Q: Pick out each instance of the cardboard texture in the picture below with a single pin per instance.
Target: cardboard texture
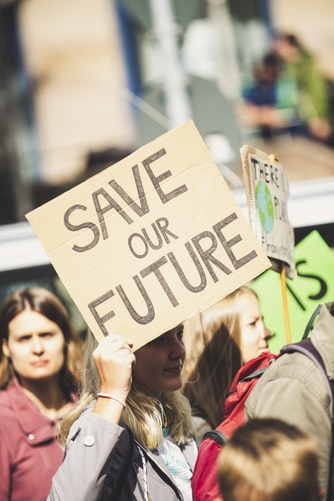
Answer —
(151, 240)
(267, 193)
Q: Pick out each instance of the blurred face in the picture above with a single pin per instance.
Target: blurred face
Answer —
(254, 334)
(159, 363)
(35, 345)
(286, 51)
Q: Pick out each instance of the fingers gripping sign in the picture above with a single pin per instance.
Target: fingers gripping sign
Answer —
(114, 361)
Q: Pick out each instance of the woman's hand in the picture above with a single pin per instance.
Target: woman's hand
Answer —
(114, 360)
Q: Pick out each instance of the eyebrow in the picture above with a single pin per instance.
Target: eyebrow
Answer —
(31, 333)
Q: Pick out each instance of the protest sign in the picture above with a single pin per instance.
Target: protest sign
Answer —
(267, 193)
(151, 240)
(313, 284)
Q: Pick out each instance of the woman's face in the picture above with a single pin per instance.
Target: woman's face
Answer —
(159, 363)
(254, 334)
(35, 345)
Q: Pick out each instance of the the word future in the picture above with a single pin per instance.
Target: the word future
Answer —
(203, 250)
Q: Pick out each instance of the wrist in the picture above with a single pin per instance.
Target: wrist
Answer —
(111, 396)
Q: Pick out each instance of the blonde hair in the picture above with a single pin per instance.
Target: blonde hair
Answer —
(145, 415)
(212, 341)
(268, 459)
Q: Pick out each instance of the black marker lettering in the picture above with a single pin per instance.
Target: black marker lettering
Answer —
(93, 309)
(206, 255)
(142, 209)
(156, 180)
(76, 227)
(228, 244)
(155, 269)
(180, 272)
(140, 319)
(111, 204)
(141, 244)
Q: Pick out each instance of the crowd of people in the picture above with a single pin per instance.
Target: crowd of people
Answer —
(86, 420)
(289, 92)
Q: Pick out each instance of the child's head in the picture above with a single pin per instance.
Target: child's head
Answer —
(269, 460)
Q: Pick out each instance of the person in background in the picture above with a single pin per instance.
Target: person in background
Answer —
(269, 460)
(269, 100)
(131, 436)
(40, 369)
(300, 66)
(295, 389)
(218, 342)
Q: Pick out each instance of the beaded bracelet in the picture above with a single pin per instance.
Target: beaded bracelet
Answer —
(107, 395)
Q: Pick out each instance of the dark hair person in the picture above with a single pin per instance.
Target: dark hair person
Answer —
(268, 459)
(40, 367)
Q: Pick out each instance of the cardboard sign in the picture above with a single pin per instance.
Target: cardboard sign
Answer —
(314, 284)
(151, 240)
(267, 196)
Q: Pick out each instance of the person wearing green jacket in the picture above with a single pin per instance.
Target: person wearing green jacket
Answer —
(301, 67)
(294, 389)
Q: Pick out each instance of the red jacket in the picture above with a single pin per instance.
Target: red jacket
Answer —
(29, 452)
(204, 480)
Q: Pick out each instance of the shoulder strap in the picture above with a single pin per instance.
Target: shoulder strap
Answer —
(217, 436)
(256, 374)
(109, 489)
(306, 347)
(311, 321)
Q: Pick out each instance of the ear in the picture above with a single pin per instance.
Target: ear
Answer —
(5, 348)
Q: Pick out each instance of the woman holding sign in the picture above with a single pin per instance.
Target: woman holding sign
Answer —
(133, 439)
(40, 364)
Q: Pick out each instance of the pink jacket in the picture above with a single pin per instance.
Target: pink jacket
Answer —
(29, 452)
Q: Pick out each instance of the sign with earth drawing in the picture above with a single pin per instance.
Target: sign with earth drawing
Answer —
(267, 193)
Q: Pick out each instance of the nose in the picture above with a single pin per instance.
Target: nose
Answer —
(267, 332)
(178, 349)
(37, 345)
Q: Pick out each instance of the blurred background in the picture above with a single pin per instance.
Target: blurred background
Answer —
(84, 83)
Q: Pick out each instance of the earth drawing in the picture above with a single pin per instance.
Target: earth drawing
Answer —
(265, 206)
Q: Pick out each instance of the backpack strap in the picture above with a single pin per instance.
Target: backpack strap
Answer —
(306, 347)
(256, 374)
(217, 436)
(311, 321)
(109, 489)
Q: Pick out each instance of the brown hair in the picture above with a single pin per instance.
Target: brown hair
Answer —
(269, 460)
(48, 304)
(212, 341)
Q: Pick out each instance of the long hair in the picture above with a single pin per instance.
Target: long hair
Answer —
(268, 459)
(49, 305)
(212, 340)
(145, 414)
